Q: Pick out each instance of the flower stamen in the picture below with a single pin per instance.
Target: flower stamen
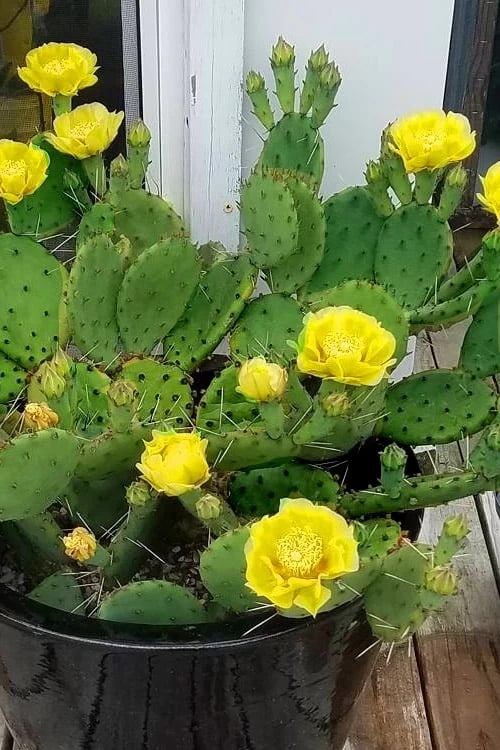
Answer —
(338, 343)
(299, 551)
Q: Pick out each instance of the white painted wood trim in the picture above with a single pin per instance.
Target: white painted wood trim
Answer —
(215, 30)
(148, 31)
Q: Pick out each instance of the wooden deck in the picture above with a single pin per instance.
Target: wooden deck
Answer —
(442, 692)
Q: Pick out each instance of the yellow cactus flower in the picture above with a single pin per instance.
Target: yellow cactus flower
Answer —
(86, 131)
(259, 380)
(59, 69)
(23, 169)
(432, 140)
(80, 544)
(345, 345)
(39, 417)
(490, 197)
(290, 554)
(175, 463)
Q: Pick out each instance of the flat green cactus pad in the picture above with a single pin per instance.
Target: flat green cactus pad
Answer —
(259, 491)
(413, 252)
(438, 406)
(60, 591)
(352, 228)
(94, 283)
(50, 209)
(155, 292)
(294, 144)
(152, 603)
(126, 552)
(372, 300)
(265, 327)
(223, 407)
(32, 283)
(480, 349)
(213, 309)
(12, 379)
(99, 220)
(164, 391)
(270, 218)
(89, 405)
(223, 571)
(97, 504)
(111, 453)
(145, 219)
(34, 470)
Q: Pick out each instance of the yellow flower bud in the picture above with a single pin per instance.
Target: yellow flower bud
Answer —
(255, 82)
(39, 417)
(138, 493)
(59, 69)
(318, 59)
(457, 526)
(336, 404)
(175, 463)
(61, 364)
(291, 553)
(259, 380)
(208, 507)
(122, 392)
(80, 544)
(86, 131)
(345, 345)
(441, 580)
(432, 140)
(51, 381)
(139, 134)
(490, 197)
(283, 54)
(23, 169)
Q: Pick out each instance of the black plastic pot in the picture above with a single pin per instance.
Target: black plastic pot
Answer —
(69, 683)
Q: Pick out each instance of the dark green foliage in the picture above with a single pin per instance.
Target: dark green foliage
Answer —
(12, 379)
(481, 346)
(454, 310)
(413, 253)
(60, 591)
(352, 228)
(126, 552)
(97, 504)
(265, 327)
(152, 603)
(438, 406)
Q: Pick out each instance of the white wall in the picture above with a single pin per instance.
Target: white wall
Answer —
(392, 55)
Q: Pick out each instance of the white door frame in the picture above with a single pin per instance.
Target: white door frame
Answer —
(192, 72)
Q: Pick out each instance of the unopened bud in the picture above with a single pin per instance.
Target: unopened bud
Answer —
(493, 437)
(457, 177)
(39, 417)
(375, 174)
(283, 54)
(457, 526)
(330, 77)
(71, 180)
(208, 507)
(51, 382)
(138, 493)
(255, 82)
(441, 580)
(119, 167)
(318, 59)
(336, 404)
(139, 134)
(393, 457)
(61, 364)
(122, 392)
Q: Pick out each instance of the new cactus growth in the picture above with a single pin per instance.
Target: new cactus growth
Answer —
(119, 424)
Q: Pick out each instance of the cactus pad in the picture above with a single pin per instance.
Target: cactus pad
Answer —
(372, 300)
(270, 218)
(61, 592)
(265, 327)
(164, 391)
(99, 504)
(223, 571)
(223, 407)
(438, 406)
(145, 219)
(155, 291)
(259, 491)
(35, 469)
(413, 254)
(480, 349)
(152, 603)
(213, 309)
(293, 143)
(352, 228)
(94, 283)
(99, 220)
(89, 405)
(32, 283)
(125, 550)
(111, 454)
(12, 379)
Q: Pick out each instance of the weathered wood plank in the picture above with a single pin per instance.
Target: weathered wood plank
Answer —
(391, 710)
(458, 651)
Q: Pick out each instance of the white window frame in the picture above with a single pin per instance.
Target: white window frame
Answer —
(192, 72)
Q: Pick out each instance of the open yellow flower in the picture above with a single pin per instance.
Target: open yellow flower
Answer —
(259, 380)
(345, 345)
(490, 198)
(86, 131)
(23, 169)
(175, 463)
(80, 544)
(432, 140)
(290, 554)
(39, 416)
(59, 69)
